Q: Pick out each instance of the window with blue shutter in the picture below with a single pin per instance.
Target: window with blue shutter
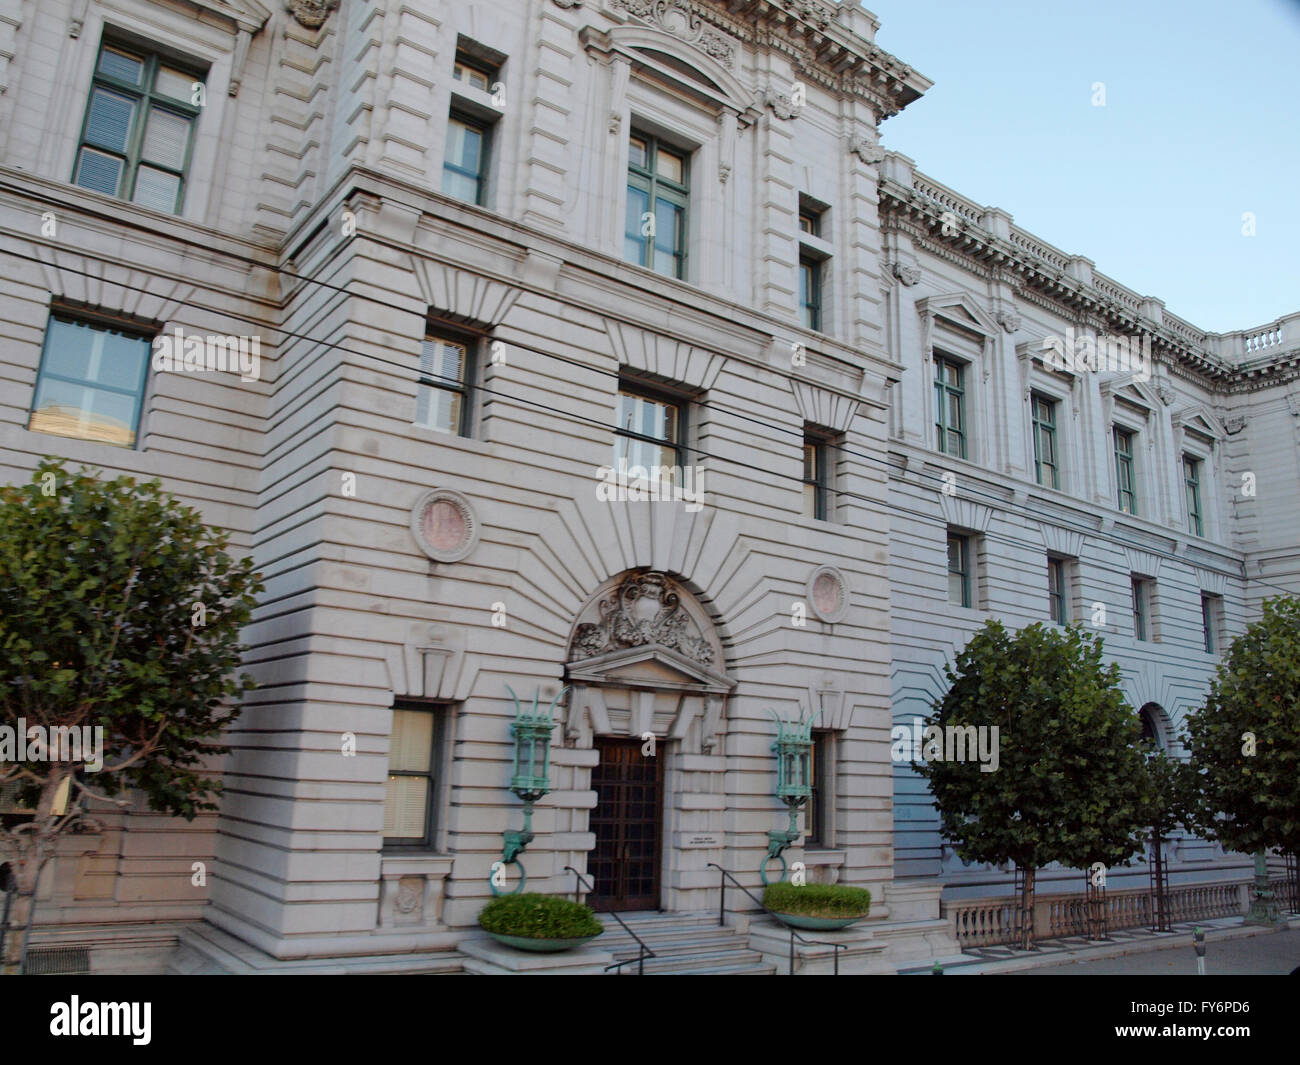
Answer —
(139, 130)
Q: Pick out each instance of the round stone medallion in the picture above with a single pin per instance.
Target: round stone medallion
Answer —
(828, 594)
(444, 525)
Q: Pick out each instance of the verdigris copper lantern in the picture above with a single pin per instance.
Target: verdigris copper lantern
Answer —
(793, 748)
(530, 779)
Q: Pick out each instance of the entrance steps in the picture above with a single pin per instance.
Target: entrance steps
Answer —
(205, 950)
(685, 944)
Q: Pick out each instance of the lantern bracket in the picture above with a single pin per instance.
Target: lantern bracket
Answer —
(530, 778)
(793, 749)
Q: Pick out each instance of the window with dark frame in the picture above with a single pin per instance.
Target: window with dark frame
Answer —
(445, 389)
(91, 380)
(813, 265)
(651, 427)
(1058, 590)
(138, 133)
(816, 475)
(1125, 479)
(1192, 487)
(959, 570)
(472, 72)
(1046, 470)
(658, 194)
(950, 406)
(1211, 605)
(810, 292)
(464, 167)
(818, 824)
(1141, 609)
(413, 763)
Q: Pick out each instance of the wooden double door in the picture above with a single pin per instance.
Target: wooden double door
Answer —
(628, 824)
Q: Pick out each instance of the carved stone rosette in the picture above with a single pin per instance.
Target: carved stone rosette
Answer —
(908, 275)
(312, 13)
(866, 150)
(644, 609)
(781, 103)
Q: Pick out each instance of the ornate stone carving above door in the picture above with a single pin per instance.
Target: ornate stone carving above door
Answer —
(644, 657)
(645, 609)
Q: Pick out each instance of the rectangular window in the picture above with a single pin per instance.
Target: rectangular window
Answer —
(650, 430)
(1192, 485)
(810, 292)
(475, 75)
(817, 831)
(816, 475)
(810, 222)
(959, 570)
(139, 128)
(446, 376)
(1141, 608)
(1046, 471)
(657, 196)
(412, 776)
(1125, 479)
(464, 167)
(1211, 612)
(91, 381)
(950, 406)
(1058, 590)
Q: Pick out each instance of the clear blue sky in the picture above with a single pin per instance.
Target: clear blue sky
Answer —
(1201, 124)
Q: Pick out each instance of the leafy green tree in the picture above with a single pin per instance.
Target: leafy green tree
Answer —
(1069, 784)
(122, 613)
(1245, 740)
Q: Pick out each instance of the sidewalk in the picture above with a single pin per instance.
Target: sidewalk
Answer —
(1232, 948)
(1256, 955)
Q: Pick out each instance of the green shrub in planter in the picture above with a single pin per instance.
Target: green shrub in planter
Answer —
(818, 900)
(533, 916)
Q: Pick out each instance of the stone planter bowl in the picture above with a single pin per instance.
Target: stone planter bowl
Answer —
(817, 924)
(540, 946)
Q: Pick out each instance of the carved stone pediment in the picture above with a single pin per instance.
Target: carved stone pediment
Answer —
(650, 666)
(645, 656)
(679, 18)
(644, 609)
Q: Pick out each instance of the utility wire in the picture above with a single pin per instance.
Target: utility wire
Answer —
(993, 499)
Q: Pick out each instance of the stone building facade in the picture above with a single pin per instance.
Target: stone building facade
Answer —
(1020, 513)
(488, 257)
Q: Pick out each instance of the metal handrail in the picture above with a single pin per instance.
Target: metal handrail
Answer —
(643, 950)
(722, 920)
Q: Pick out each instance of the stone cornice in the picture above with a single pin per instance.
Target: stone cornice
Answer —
(815, 36)
(950, 232)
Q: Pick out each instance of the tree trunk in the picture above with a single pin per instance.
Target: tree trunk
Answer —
(1161, 921)
(26, 874)
(1026, 929)
(29, 853)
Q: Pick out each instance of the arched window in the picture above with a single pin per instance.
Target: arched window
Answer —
(1149, 716)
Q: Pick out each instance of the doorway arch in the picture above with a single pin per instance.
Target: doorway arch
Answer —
(649, 689)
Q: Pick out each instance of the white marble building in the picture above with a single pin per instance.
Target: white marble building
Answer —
(484, 251)
(1150, 496)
